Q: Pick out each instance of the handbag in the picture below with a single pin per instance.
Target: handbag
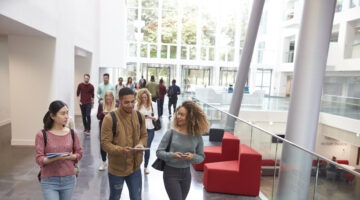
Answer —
(159, 163)
(156, 123)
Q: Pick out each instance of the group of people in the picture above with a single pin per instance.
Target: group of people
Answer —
(126, 135)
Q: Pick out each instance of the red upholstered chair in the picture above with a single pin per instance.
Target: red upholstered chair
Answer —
(229, 150)
(241, 176)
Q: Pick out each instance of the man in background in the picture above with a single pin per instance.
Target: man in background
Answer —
(153, 89)
(173, 92)
(104, 86)
(85, 91)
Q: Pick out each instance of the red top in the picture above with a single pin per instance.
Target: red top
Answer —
(55, 144)
(162, 91)
(86, 92)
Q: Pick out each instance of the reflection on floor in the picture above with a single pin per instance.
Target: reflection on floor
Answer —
(18, 171)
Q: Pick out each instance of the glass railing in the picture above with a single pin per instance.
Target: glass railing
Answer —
(341, 181)
(336, 105)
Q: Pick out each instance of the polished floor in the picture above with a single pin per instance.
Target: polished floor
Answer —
(18, 171)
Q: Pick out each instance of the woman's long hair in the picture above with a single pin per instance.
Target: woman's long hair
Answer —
(54, 107)
(197, 123)
(109, 93)
(147, 104)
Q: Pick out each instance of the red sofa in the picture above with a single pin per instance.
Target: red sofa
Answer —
(241, 176)
(345, 162)
(229, 150)
(268, 167)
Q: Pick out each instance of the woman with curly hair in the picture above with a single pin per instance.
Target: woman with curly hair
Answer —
(186, 147)
(149, 110)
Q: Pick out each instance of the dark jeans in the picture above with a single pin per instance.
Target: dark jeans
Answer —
(177, 182)
(150, 133)
(160, 105)
(172, 102)
(85, 113)
(133, 182)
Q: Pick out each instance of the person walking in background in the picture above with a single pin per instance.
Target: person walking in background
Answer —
(142, 82)
(173, 92)
(162, 92)
(186, 147)
(136, 89)
(125, 147)
(149, 109)
(85, 91)
(130, 83)
(118, 87)
(57, 173)
(104, 108)
(153, 89)
(104, 86)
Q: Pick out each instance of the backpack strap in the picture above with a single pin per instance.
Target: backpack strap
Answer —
(112, 113)
(139, 117)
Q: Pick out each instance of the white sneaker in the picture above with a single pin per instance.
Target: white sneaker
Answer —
(102, 166)
(146, 171)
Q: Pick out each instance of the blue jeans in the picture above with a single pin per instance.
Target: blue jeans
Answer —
(133, 182)
(151, 134)
(85, 113)
(58, 187)
(160, 105)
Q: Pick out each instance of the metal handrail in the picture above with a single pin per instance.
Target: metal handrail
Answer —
(282, 139)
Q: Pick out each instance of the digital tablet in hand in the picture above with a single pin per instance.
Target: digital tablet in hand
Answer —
(141, 149)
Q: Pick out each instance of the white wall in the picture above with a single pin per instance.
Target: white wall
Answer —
(112, 33)
(31, 71)
(42, 67)
(4, 82)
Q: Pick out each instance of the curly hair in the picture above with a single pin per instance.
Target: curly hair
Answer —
(196, 119)
(139, 100)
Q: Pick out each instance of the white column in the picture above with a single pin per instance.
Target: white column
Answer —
(245, 60)
(310, 65)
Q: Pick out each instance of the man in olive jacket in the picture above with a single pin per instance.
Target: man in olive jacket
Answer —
(125, 147)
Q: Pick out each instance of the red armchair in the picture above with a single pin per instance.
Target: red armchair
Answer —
(229, 150)
(241, 176)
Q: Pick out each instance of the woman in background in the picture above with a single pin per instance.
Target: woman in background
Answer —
(149, 109)
(130, 83)
(162, 92)
(104, 108)
(186, 147)
(57, 173)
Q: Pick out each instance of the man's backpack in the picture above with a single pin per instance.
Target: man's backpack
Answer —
(171, 92)
(112, 113)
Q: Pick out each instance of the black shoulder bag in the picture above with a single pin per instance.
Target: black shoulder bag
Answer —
(159, 164)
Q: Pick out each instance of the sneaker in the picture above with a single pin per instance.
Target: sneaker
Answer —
(87, 132)
(146, 171)
(102, 166)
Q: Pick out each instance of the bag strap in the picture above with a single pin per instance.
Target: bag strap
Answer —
(170, 140)
(112, 113)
